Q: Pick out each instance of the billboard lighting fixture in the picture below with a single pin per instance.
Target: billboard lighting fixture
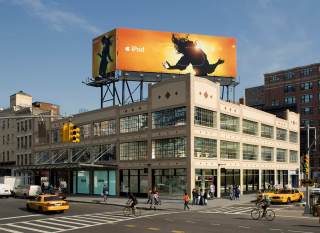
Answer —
(141, 75)
(158, 75)
(126, 74)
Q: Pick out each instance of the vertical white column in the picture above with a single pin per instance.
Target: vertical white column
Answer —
(218, 182)
(260, 179)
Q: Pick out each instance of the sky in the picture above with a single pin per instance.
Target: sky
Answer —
(45, 46)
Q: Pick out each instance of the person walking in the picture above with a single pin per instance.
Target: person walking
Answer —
(105, 192)
(231, 193)
(186, 200)
(212, 191)
(205, 197)
(194, 196)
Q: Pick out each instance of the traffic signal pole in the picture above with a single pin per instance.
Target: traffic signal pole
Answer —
(307, 206)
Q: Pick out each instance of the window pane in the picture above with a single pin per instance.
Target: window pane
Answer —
(133, 123)
(281, 155)
(266, 153)
(169, 117)
(249, 127)
(266, 131)
(281, 134)
(293, 136)
(205, 117)
(169, 148)
(229, 122)
(250, 152)
(133, 150)
(229, 150)
(205, 148)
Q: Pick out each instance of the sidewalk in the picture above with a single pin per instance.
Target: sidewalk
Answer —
(166, 203)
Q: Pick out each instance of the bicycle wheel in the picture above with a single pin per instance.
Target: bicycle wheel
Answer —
(126, 211)
(270, 215)
(255, 214)
(137, 212)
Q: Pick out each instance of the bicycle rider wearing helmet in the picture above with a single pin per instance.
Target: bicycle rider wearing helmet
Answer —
(132, 201)
(265, 203)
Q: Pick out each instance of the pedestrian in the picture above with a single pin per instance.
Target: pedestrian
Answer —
(205, 197)
(194, 196)
(43, 187)
(149, 197)
(186, 200)
(237, 193)
(231, 193)
(212, 190)
(198, 197)
(105, 192)
(201, 197)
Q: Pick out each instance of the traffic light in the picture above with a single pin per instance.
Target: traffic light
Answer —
(306, 165)
(74, 133)
(64, 133)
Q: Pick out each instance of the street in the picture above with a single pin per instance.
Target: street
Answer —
(83, 217)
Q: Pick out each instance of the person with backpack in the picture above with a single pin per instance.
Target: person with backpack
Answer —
(132, 202)
(105, 192)
(186, 200)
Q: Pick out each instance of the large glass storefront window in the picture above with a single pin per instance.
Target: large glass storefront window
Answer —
(249, 127)
(228, 122)
(268, 178)
(133, 150)
(229, 178)
(169, 117)
(205, 148)
(282, 178)
(135, 181)
(250, 152)
(205, 178)
(229, 150)
(205, 117)
(266, 131)
(169, 148)
(133, 123)
(83, 182)
(171, 182)
(266, 153)
(250, 180)
(91, 182)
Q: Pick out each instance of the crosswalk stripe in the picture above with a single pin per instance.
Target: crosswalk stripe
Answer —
(93, 219)
(55, 223)
(101, 217)
(9, 230)
(43, 226)
(74, 218)
(69, 222)
(26, 228)
(114, 216)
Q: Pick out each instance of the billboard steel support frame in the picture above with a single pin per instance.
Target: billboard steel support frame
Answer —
(109, 92)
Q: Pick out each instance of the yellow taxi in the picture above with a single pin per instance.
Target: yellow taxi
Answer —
(48, 202)
(286, 196)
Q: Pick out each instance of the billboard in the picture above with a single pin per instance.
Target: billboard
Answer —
(163, 52)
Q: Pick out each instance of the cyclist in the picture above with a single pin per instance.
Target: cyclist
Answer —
(264, 203)
(132, 202)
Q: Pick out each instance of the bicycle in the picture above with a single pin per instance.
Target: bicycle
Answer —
(128, 210)
(258, 213)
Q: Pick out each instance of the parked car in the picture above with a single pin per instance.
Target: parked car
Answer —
(287, 196)
(26, 191)
(4, 191)
(48, 202)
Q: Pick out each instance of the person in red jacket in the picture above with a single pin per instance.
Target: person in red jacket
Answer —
(186, 200)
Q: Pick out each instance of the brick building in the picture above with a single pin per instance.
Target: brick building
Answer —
(296, 89)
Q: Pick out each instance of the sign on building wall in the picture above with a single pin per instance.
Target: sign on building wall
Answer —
(163, 52)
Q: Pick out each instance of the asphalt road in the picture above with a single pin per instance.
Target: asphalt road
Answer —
(97, 218)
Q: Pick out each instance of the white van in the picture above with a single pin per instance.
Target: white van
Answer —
(5, 191)
(26, 191)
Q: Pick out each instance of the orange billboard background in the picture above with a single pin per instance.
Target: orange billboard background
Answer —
(168, 52)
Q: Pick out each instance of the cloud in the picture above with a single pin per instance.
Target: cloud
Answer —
(59, 19)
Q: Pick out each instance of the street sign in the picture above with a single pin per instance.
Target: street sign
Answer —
(307, 182)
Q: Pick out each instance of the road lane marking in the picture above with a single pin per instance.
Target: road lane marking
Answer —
(215, 224)
(273, 229)
(60, 220)
(22, 216)
(75, 218)
(246, 227)
(153, 229)
(130, 226)
(83, 218)
(9, 230)
(43, 226)
(177, 231)
(55, 223)
(26, 228)
(300, 231)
